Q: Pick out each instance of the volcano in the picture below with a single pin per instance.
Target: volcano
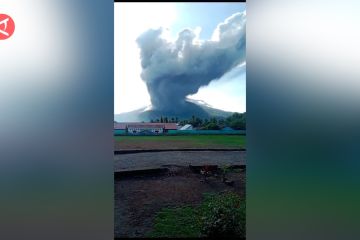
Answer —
(190, 108)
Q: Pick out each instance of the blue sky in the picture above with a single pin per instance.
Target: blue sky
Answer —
(204, 15)
(131, 19)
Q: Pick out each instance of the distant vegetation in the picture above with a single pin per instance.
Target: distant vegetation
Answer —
(236, 121)
(165, 120)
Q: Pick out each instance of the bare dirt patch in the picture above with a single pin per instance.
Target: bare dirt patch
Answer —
(180, 158)
(152, 145)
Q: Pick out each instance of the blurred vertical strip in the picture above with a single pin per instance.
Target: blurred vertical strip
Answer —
(56, 120)
(303, 109)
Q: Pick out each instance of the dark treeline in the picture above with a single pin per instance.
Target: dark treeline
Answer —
(235, 121)
(165, 120)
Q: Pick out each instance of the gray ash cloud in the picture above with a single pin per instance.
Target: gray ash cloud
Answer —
(174, 70)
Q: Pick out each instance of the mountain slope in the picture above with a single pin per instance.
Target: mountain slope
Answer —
(193, 108)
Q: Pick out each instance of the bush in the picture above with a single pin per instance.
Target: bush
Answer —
(211, 126)
(223, 216)
(219, 216)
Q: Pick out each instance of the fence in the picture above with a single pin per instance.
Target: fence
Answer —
(205, 132)
(118, 132)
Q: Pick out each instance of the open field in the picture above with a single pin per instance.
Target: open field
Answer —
(180, 142)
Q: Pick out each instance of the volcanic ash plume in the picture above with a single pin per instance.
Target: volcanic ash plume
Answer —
(174, 70)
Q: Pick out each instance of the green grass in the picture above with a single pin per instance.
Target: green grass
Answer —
(176, 223)
(219, 215)
(195, 140)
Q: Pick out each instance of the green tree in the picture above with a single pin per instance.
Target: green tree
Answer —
(206, 121)
(237, 121)
(211, 126)
(213, 120)
(221, 123)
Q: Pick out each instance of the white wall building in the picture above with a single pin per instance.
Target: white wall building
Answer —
(135, 129)
(187, 127)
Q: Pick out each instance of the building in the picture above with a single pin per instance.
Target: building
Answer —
(138, 128)
(227, 129)
(186, 127)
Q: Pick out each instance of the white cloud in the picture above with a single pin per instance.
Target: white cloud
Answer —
(131, 19)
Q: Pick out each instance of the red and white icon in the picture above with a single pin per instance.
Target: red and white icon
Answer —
(7, 26)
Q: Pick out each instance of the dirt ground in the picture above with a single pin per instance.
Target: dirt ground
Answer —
(139, 198)
(152, 145)
(180, 158)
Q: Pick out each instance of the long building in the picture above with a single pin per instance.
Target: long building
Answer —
(145, 128)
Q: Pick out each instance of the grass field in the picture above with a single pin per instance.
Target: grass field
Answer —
(189, 141)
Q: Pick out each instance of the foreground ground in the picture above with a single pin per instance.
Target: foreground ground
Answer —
(179, 158)
(180, 142)
(139, 198)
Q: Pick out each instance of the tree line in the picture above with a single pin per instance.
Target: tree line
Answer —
(235, 121)
(165, 120)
